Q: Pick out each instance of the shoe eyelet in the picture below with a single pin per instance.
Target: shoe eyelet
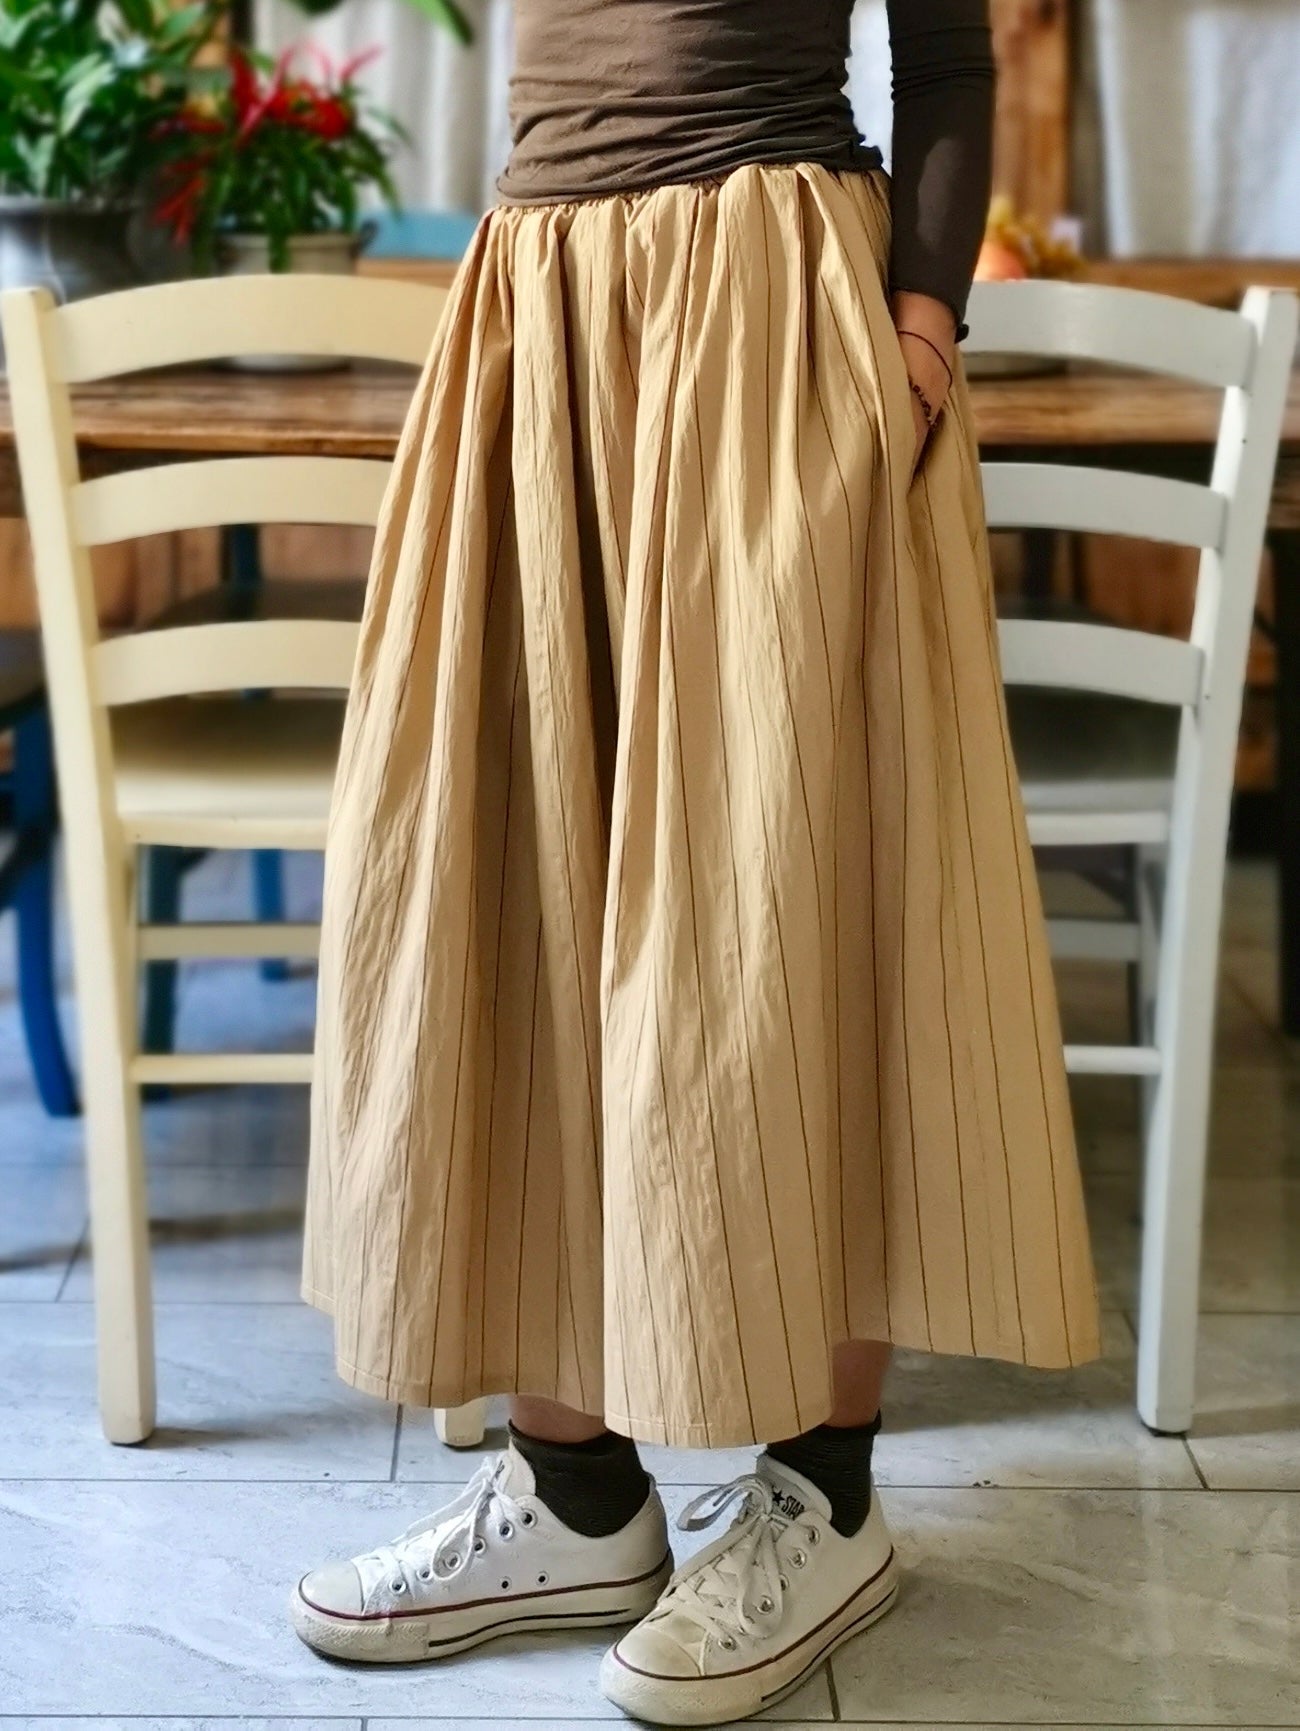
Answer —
(506, 1530)
(814, 1537)
(453, 1561)
(766, 1606)
(479, 1547)
(727, 1643)
(798, 1558)
(528, 1518)
(785, 1584)
(542, 1580)
(505, 1586)
(426, 1574)
(398, 1586)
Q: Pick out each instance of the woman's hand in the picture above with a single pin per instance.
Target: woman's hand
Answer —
(927, 336)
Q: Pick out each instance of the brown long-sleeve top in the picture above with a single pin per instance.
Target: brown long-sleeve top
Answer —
(620, 95)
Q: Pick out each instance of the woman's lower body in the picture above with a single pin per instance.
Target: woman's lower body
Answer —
(685, 1008)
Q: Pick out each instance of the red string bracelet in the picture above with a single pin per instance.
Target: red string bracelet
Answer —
(929, 345)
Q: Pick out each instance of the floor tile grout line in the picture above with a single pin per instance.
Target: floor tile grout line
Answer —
(77, 1249)
(120, 1481)
(832, 1691)
(1196, 1465)
(397, 1445)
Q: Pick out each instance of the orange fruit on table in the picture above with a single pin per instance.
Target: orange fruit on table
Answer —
(999, 263)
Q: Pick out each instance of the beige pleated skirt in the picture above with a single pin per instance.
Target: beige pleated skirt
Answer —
(685, 1006)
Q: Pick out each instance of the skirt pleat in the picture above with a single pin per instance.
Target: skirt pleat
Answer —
(685, 1003)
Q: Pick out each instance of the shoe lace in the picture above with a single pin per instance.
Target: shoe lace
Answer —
(737, 1585)
(444, 1545)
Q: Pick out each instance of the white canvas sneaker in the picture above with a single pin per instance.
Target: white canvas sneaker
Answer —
(495, 1561)
(749, 1618)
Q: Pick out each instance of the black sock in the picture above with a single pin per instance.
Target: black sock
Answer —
(594, 1487)
(837, 1459)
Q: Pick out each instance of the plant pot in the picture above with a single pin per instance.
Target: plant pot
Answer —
(318, 254)
(72, 248)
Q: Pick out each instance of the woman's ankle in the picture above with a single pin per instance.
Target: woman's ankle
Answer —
(549, 1421)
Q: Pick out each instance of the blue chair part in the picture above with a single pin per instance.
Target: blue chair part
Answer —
(268, 900)
(164, 871)
(27, 886)
(433, 234)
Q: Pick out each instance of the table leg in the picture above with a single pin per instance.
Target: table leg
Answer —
(1285, 545)
(1040, 565)
(242, 555)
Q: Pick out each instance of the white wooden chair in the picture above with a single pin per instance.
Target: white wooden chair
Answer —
(1126, 738)
(155, 745)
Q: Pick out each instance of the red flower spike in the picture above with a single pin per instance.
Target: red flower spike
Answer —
(358, 63)
(244, 91)
(323, 61)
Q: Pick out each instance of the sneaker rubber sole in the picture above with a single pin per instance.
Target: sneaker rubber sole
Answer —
(717, 1700)
(414, 1636)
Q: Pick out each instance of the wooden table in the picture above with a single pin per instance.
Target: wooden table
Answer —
(1107, 418)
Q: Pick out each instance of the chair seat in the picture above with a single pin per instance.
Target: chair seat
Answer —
(227, 772)
(22, 674)
(1093, 768)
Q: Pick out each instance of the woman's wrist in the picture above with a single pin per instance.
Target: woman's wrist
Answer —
(927, 332)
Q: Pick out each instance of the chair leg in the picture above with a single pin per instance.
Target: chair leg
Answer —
(1172, 1218)
(1178, 1126)
(164, 875)
(119, 1215)
(461, 1427)
(1148, 877)
(268, 901)
(36, 821)
(119, 1226)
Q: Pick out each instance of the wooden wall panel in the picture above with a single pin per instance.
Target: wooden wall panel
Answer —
(1031, 154)
(115, 580)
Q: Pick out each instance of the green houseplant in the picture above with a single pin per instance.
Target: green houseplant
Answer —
(444, 12)
(268, 171)
(84, 86)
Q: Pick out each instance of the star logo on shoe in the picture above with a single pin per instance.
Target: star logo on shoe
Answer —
(788, 1504)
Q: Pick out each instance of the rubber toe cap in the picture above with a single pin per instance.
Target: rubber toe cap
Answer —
(658, 1649)
(336, 1588)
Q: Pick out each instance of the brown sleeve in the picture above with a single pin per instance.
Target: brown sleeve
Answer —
(944, 77)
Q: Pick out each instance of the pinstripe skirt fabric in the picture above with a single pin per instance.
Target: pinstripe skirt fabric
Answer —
(685, 1005)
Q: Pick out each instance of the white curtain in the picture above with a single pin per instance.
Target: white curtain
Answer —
(1200, 137)
(869, 74)
(1197, 101)
(453, 100)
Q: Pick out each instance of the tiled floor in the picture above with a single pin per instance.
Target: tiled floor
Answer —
(1064, 1566)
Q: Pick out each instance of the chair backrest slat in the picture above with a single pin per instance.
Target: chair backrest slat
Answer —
(1116, 326)
(259, 654)
(1247, 354)
(179, 323)
(1105, 501)
(51, 347)
(1072, 656)
(209, 494)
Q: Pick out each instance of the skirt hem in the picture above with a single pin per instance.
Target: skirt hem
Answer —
(407, 1392)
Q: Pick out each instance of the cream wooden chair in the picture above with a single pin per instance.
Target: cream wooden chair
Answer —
(154, 744)
(1128, 739)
